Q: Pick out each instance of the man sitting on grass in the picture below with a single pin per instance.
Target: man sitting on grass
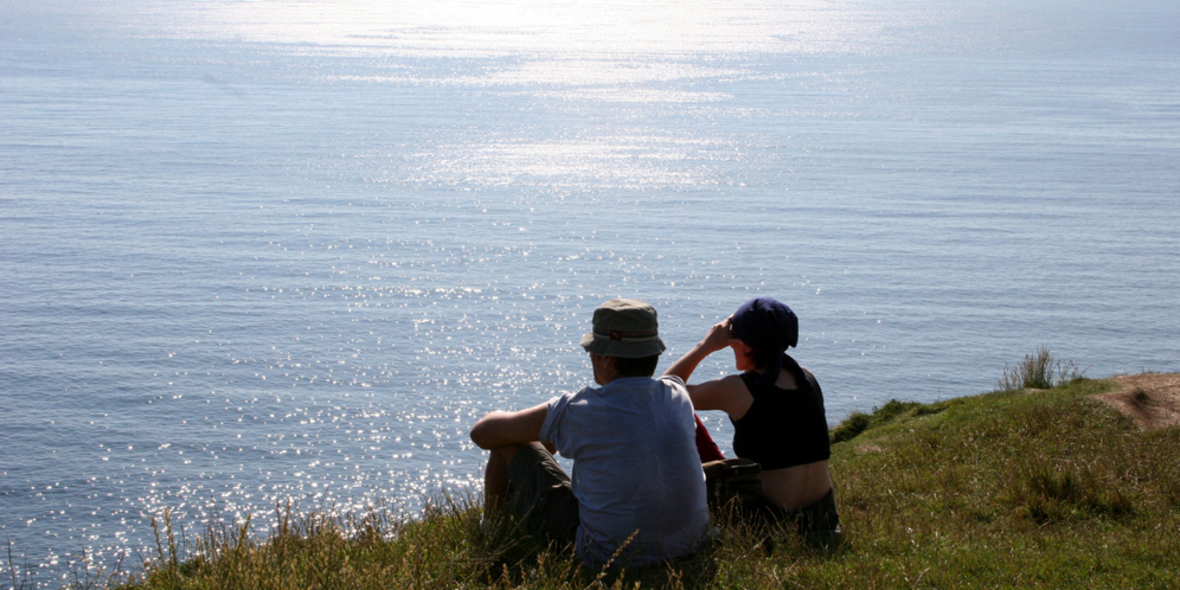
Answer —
(637, 488)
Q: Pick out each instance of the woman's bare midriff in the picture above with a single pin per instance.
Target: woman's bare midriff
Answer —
(792, 488)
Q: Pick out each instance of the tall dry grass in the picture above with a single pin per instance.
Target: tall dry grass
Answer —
(1038, 371)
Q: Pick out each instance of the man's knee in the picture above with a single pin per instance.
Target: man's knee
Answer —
(507, 453)
(539, 493)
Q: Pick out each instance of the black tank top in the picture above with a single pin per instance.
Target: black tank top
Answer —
(783, 428)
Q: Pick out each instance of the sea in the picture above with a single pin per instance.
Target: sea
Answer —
(259, 252)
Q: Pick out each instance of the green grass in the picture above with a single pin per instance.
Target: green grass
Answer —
(1019, 488)
(1038, 371)
(1042, 489)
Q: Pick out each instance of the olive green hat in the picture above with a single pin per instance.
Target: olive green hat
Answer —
(624, 328)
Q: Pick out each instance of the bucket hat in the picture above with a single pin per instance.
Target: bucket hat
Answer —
(624, 328)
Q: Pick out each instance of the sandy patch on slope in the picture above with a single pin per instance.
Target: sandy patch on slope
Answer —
(1151, 399)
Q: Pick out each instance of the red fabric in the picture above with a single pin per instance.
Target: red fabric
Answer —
(706, 448)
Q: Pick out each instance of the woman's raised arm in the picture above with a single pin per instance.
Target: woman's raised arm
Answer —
(717, 339)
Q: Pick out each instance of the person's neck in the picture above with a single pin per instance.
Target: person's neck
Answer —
(622, 377)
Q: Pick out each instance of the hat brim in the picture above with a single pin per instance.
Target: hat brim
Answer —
(622, 348)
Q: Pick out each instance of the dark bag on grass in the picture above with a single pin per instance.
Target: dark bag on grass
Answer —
(729, 480)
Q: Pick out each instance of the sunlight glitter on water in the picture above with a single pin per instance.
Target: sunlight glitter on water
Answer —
(470, 28)
(241, 270)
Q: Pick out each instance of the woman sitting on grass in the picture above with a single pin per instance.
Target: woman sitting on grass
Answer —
(777, 410)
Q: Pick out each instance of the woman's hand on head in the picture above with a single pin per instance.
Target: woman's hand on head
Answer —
(718, 336)
(717, 339)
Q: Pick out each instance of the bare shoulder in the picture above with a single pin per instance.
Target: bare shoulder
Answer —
(810, 376)
(728, 394)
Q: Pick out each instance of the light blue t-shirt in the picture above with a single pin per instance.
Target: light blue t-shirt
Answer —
(636, 468)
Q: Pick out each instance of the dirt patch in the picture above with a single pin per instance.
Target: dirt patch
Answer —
(1151, 399)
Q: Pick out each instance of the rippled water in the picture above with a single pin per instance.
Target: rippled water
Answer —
(252, 251)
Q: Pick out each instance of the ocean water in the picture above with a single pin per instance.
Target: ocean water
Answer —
(253, 252)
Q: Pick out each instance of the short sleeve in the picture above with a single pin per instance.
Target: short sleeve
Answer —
(550, 429)
(674, 381)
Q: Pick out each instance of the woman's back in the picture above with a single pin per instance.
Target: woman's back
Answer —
(785, 429)
(784, 426)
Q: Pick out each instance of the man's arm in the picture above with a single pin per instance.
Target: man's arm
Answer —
(504, 434)
(499, 429)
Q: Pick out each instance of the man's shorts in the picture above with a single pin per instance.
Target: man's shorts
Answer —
(539, 495)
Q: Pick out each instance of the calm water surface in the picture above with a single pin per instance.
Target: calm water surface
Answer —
(259, 251)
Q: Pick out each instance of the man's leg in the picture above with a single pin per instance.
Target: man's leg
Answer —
(495, 477)
(526, 482)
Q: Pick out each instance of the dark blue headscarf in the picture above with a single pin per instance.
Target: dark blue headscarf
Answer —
(768, 326)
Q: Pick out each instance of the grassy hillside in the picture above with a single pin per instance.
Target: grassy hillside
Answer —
(1011, 489)
(1021, 488)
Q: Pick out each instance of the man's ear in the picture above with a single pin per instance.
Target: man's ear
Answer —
(604, 368)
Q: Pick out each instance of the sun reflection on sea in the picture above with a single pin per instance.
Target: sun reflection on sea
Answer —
(468, 28)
